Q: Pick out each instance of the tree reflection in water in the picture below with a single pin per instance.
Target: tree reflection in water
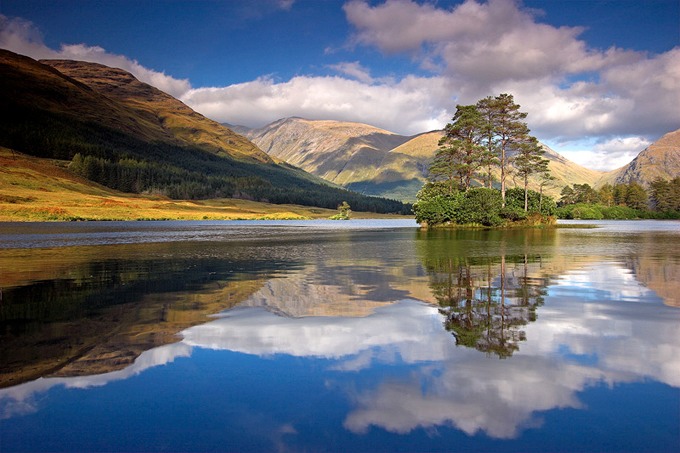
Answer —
(485, 295)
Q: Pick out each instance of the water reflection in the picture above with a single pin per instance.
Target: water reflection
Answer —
(87, 310)
(373, 320)
(73, 311)
(486, 298)
(570, 350)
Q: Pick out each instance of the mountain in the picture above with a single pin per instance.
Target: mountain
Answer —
(130, 136)
(163, 116)
(403, 170)
(378, 162)
(340, 152)
(661, 159)
(72, 95)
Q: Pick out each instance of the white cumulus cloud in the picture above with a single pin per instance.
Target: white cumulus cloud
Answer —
(571, 91)
(412, 105)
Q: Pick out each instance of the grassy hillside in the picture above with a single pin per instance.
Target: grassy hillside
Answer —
(166, 117)
(131, 137)
(34, 189)
(38, 189)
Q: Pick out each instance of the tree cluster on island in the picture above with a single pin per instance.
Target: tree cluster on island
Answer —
(489, 134)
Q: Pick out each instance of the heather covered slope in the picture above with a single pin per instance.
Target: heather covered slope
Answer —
(164, 116)
(65, 100)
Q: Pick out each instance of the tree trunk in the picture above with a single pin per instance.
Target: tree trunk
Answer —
(526, 194)
(503, 176)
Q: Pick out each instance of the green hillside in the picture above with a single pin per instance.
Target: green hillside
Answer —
(35, 189)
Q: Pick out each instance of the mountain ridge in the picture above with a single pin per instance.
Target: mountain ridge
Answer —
(395, 168)
(661, 159)
(173, 117)
(58, 108)
(333, 150)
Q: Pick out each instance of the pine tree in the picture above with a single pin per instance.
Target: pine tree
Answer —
(443, 168)
(546, 179)
(460, 150)
(505, 131)
(567, 196)
(529, 160)
(620, 193)
(490, 155)
(636, 196)
(606, 194)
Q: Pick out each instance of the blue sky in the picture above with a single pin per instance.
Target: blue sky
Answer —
(599, 79)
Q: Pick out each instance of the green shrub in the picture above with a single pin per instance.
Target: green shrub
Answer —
(513, 213)
(482, 206)
(578, 211)
(514, 199)
(619, 212)
(436, 204)
(437, 210)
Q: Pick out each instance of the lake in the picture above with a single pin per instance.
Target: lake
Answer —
(339, 336)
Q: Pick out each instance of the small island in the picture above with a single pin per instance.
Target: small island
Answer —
(489, 142)
(491, 134)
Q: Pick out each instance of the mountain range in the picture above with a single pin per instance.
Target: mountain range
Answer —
(379, 162)
(140, 139)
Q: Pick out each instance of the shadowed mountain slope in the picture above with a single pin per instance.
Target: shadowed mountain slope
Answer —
(132, 137)
(164, 117)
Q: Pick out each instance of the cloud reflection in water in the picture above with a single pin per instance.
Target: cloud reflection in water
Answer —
(580, 340)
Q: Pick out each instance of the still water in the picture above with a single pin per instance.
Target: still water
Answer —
(338, 336)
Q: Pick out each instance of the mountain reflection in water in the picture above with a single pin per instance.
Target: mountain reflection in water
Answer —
(405, 327)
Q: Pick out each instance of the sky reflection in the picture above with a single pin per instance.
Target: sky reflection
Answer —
(588, 333)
